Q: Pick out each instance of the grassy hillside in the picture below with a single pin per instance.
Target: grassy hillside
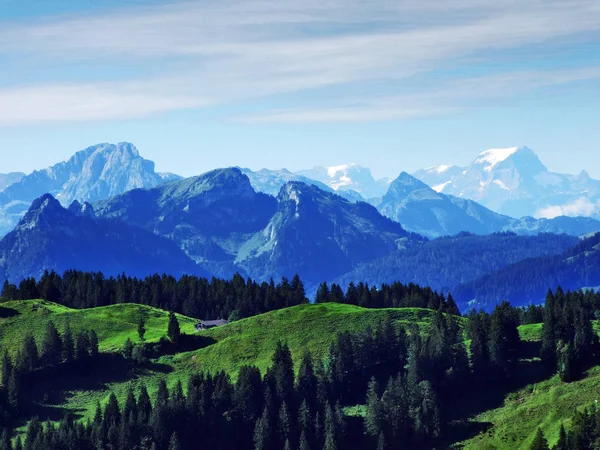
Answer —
(510, 423)
(113, 324)
(248, 341)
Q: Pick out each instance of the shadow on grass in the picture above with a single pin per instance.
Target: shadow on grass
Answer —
(5, 313)
(187, 343)
(491, 395)
(46, 391)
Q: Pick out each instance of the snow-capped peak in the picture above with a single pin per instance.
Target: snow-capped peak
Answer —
(491, 158)
(333, 170)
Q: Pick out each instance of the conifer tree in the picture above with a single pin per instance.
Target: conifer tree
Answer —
(374, 414)
(68, 350)
(93, 342)
(173, 331)
(262, 432)
(174, 443)
(539, 442)
(141, 328)
(51, 346)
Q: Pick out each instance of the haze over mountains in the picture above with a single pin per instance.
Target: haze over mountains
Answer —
(274, 223)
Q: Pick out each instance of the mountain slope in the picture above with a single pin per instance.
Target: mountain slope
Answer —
(318, 235)
(50, 237)
(513, 181)
(208, 216)
(528, 281)
(445, 263)
(92, 174)
(6, 179)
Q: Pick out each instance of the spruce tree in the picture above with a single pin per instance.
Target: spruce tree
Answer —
(68, 350)
(93, 341)
(173, 330)
(374, 415)
(562, 443)
(51, 346)
(174, 443)
(141, 328)
(539, 442)
(262, 432)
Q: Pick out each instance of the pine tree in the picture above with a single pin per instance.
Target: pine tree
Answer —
(373, 419)
(262, 432)
(306, 385)
(51, 346)
(68, 350)
(173, 331)
(7, 367)
(144, 405)
(82, 345)
(112, 413)
(30, 354)
(562, 443)
(284, 424)
(141, 328)
(323, 294)
(174, 443)
(539, 442)
(93, 341)
(303, 442)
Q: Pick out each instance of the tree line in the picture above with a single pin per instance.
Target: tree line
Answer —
(215, 298)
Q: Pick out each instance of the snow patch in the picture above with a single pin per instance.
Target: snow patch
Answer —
(501, 185)
(440, 187)
(491, 158)
(333, 170)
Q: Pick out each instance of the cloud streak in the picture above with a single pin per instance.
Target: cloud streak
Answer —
(199, 54)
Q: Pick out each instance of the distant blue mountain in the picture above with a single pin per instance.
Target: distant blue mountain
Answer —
(51, 237)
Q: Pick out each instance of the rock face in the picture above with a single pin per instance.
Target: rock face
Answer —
(51, 237)
(513, 181)
(318, 235)
(96, 173)
(422, 210)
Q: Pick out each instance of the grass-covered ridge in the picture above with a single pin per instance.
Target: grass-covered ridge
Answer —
(250, 341)
(113, 324)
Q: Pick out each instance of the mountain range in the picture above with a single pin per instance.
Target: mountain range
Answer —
(124, 216)
(51, 237)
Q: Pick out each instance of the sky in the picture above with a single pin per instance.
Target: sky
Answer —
(394, 85)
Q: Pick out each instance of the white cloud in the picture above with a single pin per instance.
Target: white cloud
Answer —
(580, 207)
(230, 50)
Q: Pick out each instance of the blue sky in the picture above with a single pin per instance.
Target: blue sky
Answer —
(392, 85)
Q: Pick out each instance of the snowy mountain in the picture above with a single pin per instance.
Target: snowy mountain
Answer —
(96, 173)
(349, 177)
(513, 181)
(422, 210)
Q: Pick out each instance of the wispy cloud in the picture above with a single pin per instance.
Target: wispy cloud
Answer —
(197, 54)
